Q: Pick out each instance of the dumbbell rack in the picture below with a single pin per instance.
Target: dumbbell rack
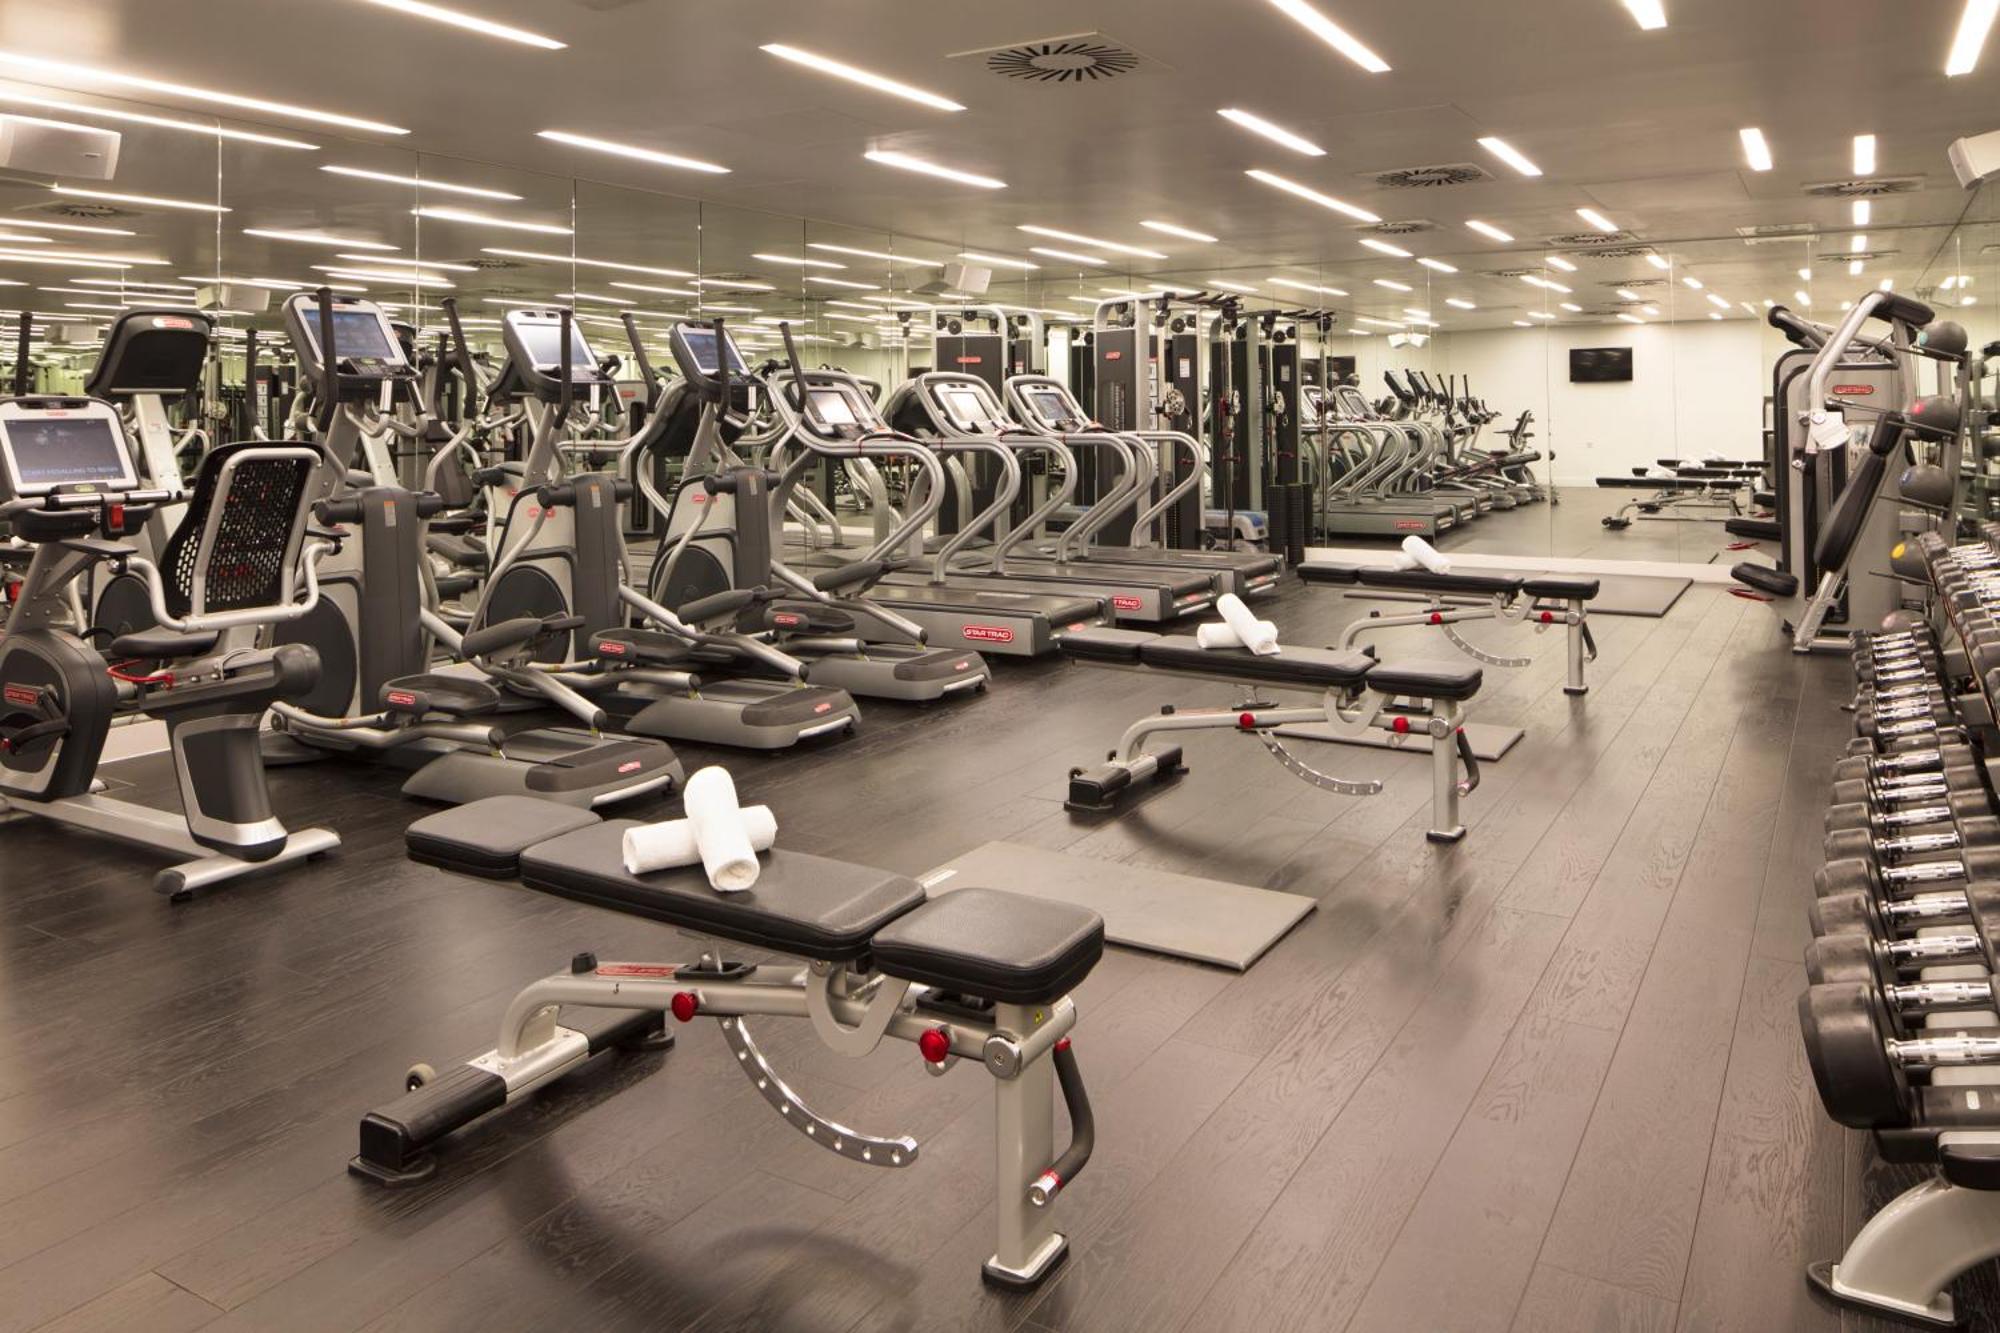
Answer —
(1901, 1020)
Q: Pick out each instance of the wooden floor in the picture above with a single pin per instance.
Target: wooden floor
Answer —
(1547, 1080)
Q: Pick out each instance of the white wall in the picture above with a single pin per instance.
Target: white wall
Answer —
(1697, 389)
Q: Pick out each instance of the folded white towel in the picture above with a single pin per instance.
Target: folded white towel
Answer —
(1259, 636)
(671, 842)
(1403, 560)
(1222, 636)
(726, 853)
(1426, 555)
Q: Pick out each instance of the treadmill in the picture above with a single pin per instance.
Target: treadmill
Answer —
(1353, 505)
(838, 420)
(1045, 406)
(960, 408)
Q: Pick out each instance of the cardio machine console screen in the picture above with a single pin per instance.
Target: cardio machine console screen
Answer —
(358, 335)
(1054, 412)
(700, 343)
(57, 447)
(833, 407)
(542, 340)
(967, 409)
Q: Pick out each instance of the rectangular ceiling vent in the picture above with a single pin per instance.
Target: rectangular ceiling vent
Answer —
(1590, 240)
(1513, 272)
(1767, 232)
(1406, 227)
(1428, 178)
(1616, 251)
(1869, 187)
(1634, 284)
(1074, 58)
(1858, 257)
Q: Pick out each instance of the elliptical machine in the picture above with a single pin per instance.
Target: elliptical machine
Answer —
(230, 569)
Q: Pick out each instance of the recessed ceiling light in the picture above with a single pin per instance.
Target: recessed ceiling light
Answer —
(68, 226)
(1805, 275)
(1854, 267)
(1458, 304)
(421, 183)
(1546, 284)
(1713, 315)
(1379, 323)
(1540, 314)
(272, 284)
(1335, 36)
(1968, 300)
(1307, 192)
(1557, 261)
(1802, 299)
(1625, 294)
(1652, 310)
(121, 283)
(1691, 282)
(1092, 241)
(1231, 286)
(1523, 324)
(1277, 134)
(795, 260)
(471, 23)
(1066, 254)
(1630, 319)
(382, 275)
(647, 269)
(1857, 243)
(144, 200)
(732, 284)
(438, 265)
(1392, 284)
(486, 220)
(1571, 306)
(632, 151)
(1414, 313)
(904, 162)
(1596, 219)
(1437, 265)
(1383, 247)
(1298, 286)
(592, 296)
(24, 238)
(163, 122)
(843, 282)
(1864, 155)
(657, 291)
(979, 257)
(78, 259)
(314, 238)
(842, 70)
(730, 309)
(1511, 155)
(1756, 152)
(1649, 13)
(1721, 302)
(1861, 212)
(873, 254)
(1973, 26)
(1185, 233)
(1487, 229)
(1660, 262)
(67, 73)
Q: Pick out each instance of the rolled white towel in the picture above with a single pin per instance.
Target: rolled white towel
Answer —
(1426, 555)
(1403, 560)
(726, 853)
(1259, 636)
(1222, 636)
(671, 842)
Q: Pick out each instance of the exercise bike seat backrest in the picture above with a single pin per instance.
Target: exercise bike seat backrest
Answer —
(256, 533)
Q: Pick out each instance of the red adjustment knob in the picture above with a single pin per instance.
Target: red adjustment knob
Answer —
(1247, 721)
(1548, 617)
(1401, 726)
(1437, 617)
(935, 1045)
(686, 1004)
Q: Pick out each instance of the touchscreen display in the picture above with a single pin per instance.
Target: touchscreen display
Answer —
(830, 403)
(543, 343)
(967, 408)
(358, 335)
(701, 343)
(1050, 404)
(61, 451)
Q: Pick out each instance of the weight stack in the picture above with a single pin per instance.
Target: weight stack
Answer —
(1278, 519)
(1298, 525)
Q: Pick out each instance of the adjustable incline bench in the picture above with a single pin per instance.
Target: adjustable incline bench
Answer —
(1354, 690)
(1524, 601)
(973, 974)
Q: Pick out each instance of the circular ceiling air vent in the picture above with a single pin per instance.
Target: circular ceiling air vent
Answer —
(1063, 62)
(1634, 283)
(1512, 272)
(1429, 178)
(491, 263)
(1410, 228)
(1869, 188)
(1587, 240)
(73, 208)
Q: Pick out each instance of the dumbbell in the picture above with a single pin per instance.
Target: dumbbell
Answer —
(1865, 761)
(1981, 833)
(1863, 1072)
(1867, 873)
(1874, 718)
(1860, 913)
(1911, 789)
(1947, 807)
(1908, 1004)
(1860, 956)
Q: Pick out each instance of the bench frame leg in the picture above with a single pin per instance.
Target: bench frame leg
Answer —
(1902, 1261)
(1446, 718)
(850, 1011)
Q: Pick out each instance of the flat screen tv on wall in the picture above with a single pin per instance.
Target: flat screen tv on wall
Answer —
(1599, 365)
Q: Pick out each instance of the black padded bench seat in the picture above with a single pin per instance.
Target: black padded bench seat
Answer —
(1427, 680)
(993, 945)
(1411, 580)
(804, 905)
(1560, 588)
(1318, 668)
(486, 838)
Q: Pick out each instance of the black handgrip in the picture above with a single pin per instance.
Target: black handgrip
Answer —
(22, 338)
(719, 483)
(721, 366)
(552, 495)
(622, 491)
(1082, 1129)
(1469, 761)
(1794, 328)
(429, 504)
(249, 423)
(489, 476)
(337, 511)
(329, 362)
(461, 354)
(639, 350)
(564, 360)
(34, 735)
(1904, 309)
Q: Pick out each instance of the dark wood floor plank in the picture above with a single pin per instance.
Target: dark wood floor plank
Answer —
(147, 1304)
(1560, 1302)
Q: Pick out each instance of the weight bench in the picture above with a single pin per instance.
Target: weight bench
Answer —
(973, 974)
(1522, 601)
(1354, 691)
(1699, 497)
